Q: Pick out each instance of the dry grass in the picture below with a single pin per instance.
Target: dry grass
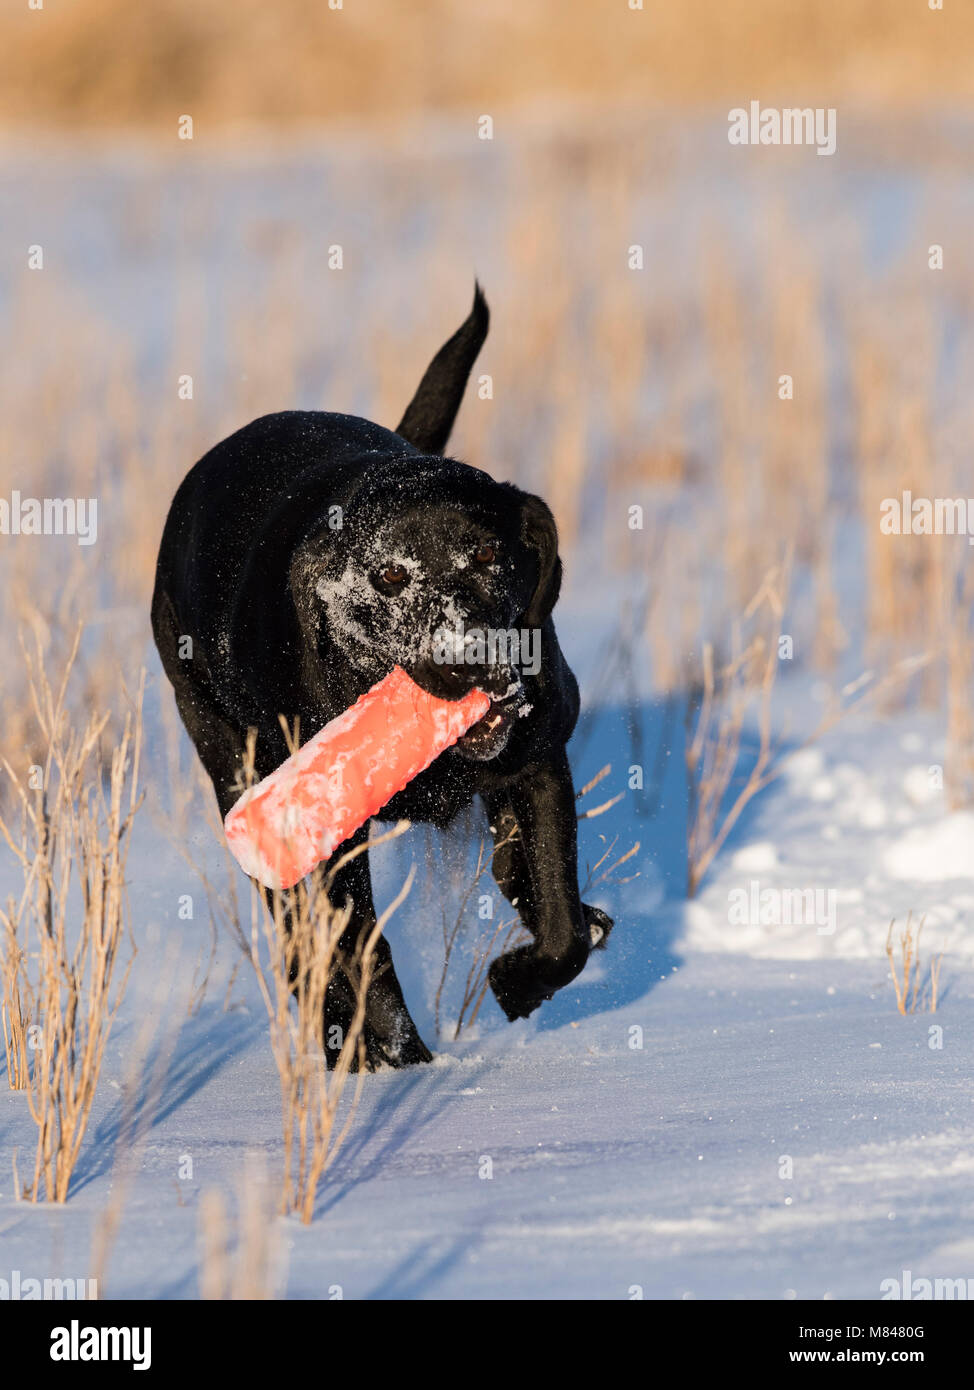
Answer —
(15, 1016)
(63, 965)
(304, 950)
(105, 61)
(250, 1266)
(716, 717)
(728, 475)
(722, 779)
(912, 984)
(294, 950)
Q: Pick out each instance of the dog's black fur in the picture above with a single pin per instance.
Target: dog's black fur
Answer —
(273, 561)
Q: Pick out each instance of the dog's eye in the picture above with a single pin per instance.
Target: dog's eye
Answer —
(395, 574)
(486, 555)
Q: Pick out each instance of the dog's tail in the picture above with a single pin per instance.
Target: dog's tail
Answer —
(430, 414)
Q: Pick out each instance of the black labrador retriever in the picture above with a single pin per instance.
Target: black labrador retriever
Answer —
(307, 555)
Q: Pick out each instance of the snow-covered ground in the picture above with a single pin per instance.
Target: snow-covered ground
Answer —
(713, 1110)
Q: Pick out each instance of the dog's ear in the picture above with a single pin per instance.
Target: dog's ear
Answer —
(539, 532)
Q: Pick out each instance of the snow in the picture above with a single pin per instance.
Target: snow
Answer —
(756, 858)
(932, 853)
(637, 1129)
(611, 1167)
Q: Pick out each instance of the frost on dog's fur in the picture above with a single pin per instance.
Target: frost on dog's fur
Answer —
(425, 614)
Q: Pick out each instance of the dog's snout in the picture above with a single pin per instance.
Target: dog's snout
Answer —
(444, 680)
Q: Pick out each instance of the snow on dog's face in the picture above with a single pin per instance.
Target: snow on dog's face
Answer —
(437, 569)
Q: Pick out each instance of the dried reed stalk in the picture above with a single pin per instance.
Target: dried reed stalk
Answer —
(64, 935)
(252, 1269)
(908, 980)
(294, 951)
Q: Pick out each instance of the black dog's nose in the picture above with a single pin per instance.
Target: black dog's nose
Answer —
(465, 655)
(446, 682)
(496, 681)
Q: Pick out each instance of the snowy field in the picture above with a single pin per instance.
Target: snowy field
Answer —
(726, 1104)
(637, 1129)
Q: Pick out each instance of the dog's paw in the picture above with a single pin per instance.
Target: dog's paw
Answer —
(374, 1052)
(599, 926)
(515, 981)
(523, 979)
(408, 1053)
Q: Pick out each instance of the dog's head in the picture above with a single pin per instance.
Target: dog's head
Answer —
(435, 568)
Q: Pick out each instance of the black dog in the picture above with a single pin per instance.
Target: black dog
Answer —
(307, 555)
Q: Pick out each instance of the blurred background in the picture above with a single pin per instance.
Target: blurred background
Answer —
(650, 284)
(113, 64)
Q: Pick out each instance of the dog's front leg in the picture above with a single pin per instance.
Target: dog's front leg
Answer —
(542, 801)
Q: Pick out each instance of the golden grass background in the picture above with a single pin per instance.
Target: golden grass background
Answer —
(611, 387)
(115, 63)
